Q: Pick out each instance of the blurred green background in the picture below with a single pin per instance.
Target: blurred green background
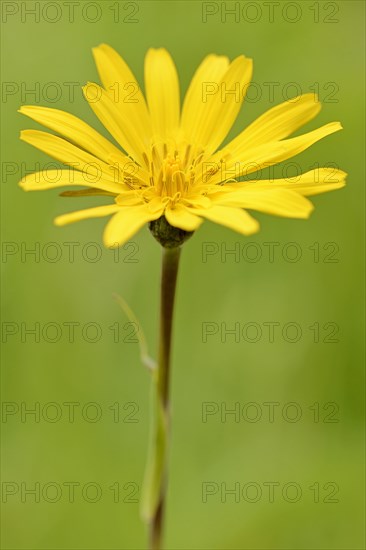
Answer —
(314, 381)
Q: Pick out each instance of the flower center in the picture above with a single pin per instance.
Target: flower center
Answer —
(170, 178)
(173, 170)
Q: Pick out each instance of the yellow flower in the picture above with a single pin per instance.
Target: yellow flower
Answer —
(168, 162)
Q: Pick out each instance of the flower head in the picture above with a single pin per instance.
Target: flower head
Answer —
(167, 161)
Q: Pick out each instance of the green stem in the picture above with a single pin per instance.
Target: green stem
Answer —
(156, 481)
(170, 263)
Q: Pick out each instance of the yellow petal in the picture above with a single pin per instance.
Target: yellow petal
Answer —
(126, 223)
(197, 201)
(277, 123)
(51, 179)
(120, 127)
(182, 217)
(96, 212)
(129, 198)
(162, 92)
(69, 154)
(122, 86)
(196, 107)
(235, 218)
(157, 204)
(313, 182)
(217, 103)
(251, 160)
(73, 129)
(282, 150)
(279, 202)
(92, 192)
